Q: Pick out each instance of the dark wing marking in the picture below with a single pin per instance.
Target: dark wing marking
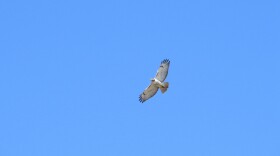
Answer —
(163, 70)
(148, 93)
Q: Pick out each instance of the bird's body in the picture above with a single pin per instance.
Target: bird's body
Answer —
(157, 82)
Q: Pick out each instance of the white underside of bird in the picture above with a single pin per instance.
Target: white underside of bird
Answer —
(157, 82)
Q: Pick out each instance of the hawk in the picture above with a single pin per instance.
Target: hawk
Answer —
(157, 82)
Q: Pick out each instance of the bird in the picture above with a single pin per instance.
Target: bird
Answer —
(157, 82)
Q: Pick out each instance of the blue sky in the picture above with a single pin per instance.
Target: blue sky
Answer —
(72, 71)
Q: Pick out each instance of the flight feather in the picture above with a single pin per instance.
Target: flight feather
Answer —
(157, 82)
(163, 70)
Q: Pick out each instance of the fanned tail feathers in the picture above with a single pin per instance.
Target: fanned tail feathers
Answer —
(164, 89)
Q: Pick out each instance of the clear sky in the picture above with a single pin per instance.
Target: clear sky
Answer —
(72, 72)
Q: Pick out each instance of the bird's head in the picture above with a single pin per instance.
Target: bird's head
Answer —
(152, 79)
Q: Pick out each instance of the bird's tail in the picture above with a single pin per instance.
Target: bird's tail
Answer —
(164, 89)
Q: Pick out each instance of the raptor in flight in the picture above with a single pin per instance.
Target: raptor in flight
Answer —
(157, 82)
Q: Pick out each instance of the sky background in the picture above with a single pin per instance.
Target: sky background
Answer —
(71, 73)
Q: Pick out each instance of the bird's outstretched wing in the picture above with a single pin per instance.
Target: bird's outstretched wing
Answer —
(163, 70)
(148, 93)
